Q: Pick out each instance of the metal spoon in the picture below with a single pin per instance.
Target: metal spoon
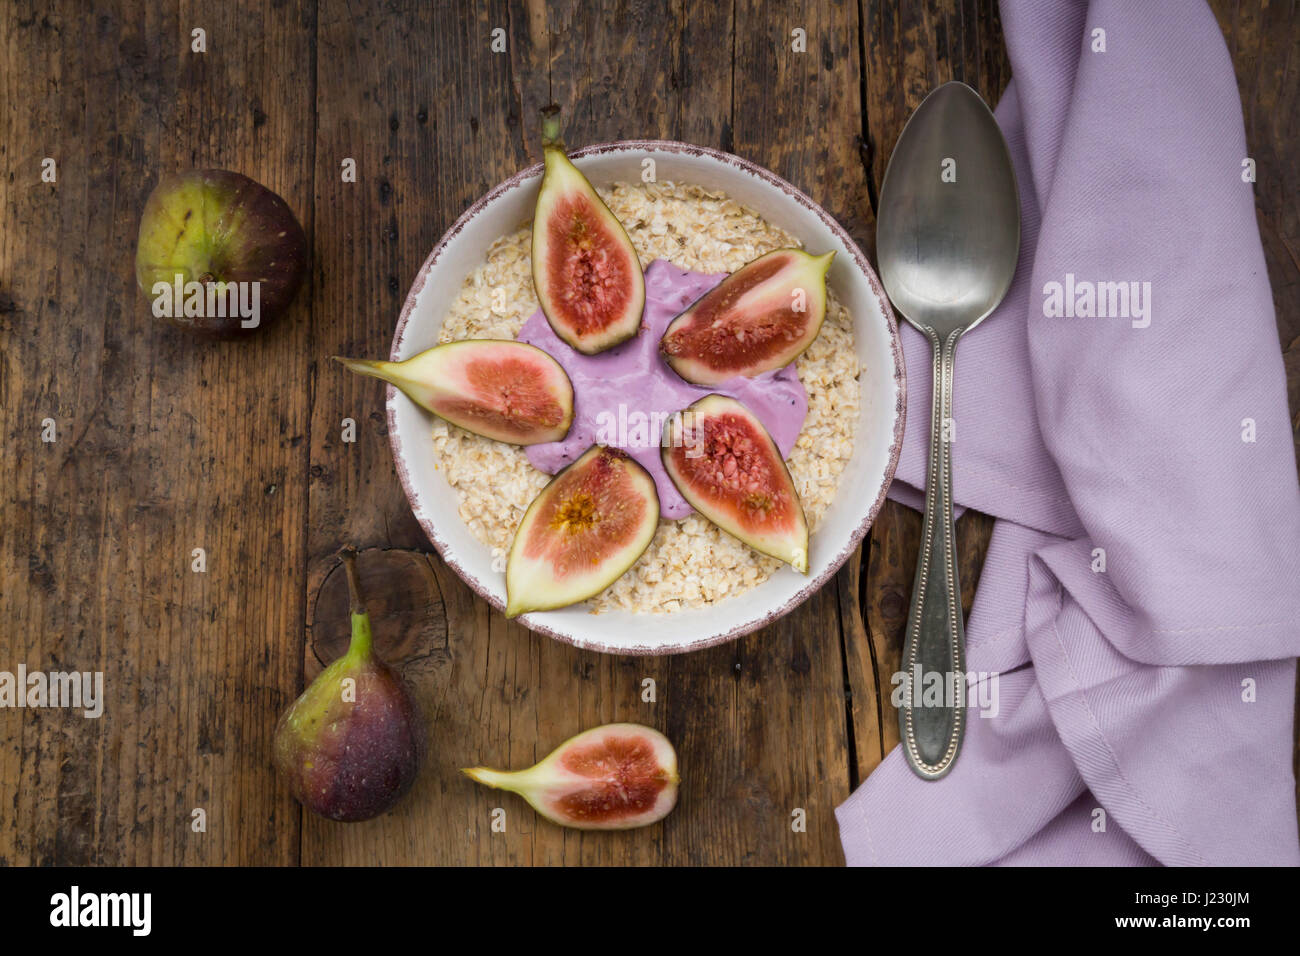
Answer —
(947, 237)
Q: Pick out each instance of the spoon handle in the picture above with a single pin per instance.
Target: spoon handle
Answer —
(932, 718)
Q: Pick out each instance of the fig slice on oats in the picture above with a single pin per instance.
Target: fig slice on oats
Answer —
(586, 527)
(760, 318)
(585, 269)
(496, 388)
(727, 466)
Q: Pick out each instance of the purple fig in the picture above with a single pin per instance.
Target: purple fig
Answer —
(218, 253)
(614, 777)
(350, 747)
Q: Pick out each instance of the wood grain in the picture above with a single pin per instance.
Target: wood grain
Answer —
(1265, 48)
(910, 48)
(166, 444)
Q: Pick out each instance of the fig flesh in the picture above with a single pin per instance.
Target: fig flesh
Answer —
(586, 272)
(350, 747)
(614, 777)
(218, 253)
(727, 466)
(758, 319)
(500, 389)
(586, 527)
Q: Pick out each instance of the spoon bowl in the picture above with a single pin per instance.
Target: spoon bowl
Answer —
(948, 229)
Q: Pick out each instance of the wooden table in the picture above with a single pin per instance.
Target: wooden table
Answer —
(166, 444)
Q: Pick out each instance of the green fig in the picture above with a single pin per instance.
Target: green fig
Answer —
(350, 747)
(218, 253)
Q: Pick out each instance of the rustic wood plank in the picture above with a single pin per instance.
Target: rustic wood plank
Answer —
(164, 444)
(426, 142)
(1265, 48)
(891, 554)
(890, 564)
(798, 112)
(909, 48)
(633, 70)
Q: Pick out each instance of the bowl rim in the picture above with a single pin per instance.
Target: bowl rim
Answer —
(900, 407)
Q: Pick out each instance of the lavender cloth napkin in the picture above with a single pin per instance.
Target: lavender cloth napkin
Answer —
(1144, 712)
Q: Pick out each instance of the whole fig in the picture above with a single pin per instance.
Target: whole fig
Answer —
(218, 253)
(351, 746)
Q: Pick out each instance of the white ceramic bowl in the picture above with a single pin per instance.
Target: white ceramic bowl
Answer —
(878, 436)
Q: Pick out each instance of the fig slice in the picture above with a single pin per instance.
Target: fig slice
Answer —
(585, 269)
(613, 777)
(586, 527)
(497, 388)
(729, 469)
(758, 319)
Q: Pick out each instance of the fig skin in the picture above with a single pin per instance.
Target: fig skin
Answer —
(612, 777)
(217, 226)
(350, 760)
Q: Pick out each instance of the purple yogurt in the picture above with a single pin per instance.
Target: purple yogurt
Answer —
(618, 393)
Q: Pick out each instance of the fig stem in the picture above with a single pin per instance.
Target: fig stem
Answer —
(360, 646)
(513, 781)
(551, 127)
(379, 370)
